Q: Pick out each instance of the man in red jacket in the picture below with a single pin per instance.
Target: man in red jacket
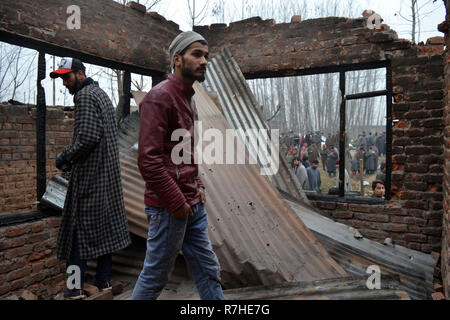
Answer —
(174, 194)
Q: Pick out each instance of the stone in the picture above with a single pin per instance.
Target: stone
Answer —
(296, 19)
(91, 290)
(438, 296)
(27, 295)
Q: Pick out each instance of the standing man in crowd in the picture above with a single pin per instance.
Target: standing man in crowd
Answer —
(300, 173)
(308, 138)
(174, 194)
(93, 221)
(380, 142)
(362, 141)
(313, 152)
(332, 157)
(314, 176)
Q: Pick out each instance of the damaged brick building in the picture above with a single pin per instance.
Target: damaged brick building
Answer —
(416, 216)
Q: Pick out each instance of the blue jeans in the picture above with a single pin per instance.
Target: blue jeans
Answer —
(166, 237)
(104, 263)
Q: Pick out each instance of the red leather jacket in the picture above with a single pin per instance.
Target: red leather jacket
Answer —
(166, 107)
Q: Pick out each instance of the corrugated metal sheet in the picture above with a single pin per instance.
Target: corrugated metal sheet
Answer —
(257, 237)
(343, 288)
(241, 110)
(415, 269)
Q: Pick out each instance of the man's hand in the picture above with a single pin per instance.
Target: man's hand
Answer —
(59, 161)
(183, 212)
(202, 195)
(62, 164)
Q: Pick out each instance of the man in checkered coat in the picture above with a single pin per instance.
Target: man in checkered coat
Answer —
(93, 221)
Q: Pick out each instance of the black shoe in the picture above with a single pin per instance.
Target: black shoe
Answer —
(104, 286)
(74, 294)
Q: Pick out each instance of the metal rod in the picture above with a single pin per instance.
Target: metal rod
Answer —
(40, 129)
(388, 131)
(317, 70)
(126, 93)
(366, 95)
(361, 179)
(342, 135)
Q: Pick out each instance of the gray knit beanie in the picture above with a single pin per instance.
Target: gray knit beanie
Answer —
(181, 42)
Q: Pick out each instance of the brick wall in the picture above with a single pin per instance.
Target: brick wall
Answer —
(18, 152)
(263, 48)
(413, 218)
(412, 228)
(445, 254)
(28, 259)
(108, 29)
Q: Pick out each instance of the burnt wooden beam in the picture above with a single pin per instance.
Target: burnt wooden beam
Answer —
(126, 93)
(388, 136)
(342, 138)
(317, 70)
(66, 52)
(40, 129)
(366, 95)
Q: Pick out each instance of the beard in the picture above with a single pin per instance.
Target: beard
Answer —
(189, 73)
(73, 89)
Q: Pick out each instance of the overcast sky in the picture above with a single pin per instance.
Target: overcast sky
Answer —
(432, 12)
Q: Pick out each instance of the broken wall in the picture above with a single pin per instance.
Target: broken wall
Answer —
(126, 34)
(445, 254)
(413, 218)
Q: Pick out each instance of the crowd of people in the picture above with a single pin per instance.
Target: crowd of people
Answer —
(303, 153)
(368, 149)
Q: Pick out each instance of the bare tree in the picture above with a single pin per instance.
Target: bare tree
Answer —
(418, 11)
(16, 65)
(201, 15)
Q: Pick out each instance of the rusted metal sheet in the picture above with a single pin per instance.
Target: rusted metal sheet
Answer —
(343, 288)
(355, 254)
(257, 237)
(241, 110)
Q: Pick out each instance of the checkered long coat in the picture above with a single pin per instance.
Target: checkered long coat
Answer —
(94, 204)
